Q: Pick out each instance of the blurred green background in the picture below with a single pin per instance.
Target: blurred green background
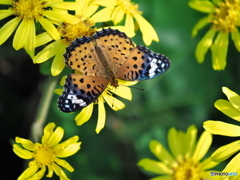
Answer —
(181, 97)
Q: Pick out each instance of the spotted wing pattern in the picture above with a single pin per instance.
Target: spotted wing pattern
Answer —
(81, 56)
(143, 64)
(80, 91)
(115, 45)
(101, 59)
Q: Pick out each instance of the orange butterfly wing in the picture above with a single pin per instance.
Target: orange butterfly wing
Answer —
(80, 91)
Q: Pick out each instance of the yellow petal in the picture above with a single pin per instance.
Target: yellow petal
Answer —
(50, 171)
(219, 51)
(84, 115)
(154, 166)
(226, 151)
(233, 97)
(69, 141)
(80, 10)
(202, 146)
(8, 29)
(5, 13)
(209, 176)
(114, 103)
(126, 83)
(123, 91)
(227, 108)
(7, 2)
(69, 150)
(89, 10)
(29, 172)
(236, 38)
(48, 52)
(50, 28)
(58, 91)
(222, 128)
(64, 5)
(61, 16)
(200, 24)
(68, 147)
(27, 144)
(161, 153)
(42, 39)
(208, 164)
(64, 164)
(173, 142)
(181, 138)
(117, 15)
(147, 30)
(101, 117)
(204, 44)
(202, 6)
(58, 62)
(22, 31)
(102, 15)
(129, 25)
(105, 3)
(22, 153)
(47, 132)
(63, 79)
(191, 136)
(59, 172)
(55, 137)
(31, 39)
(233, 165)
(39, 174)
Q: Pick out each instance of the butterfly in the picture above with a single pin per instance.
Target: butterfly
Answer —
(102, 59)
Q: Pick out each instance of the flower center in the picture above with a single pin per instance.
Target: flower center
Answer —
(72, 31)
(44, 155)
(226, 15)
(28, 9)
(187, 170)
(128, 7)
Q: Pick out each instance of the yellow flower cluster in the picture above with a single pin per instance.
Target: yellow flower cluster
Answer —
(231, 108)
(184, 160)
(223, 16)
(62, 28)
(48, 154)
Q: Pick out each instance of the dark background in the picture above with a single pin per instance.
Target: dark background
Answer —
(183, 96)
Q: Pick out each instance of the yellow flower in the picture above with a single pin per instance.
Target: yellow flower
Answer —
(116, 10)
(107, 96)
(230, 108)
(28, 12)
(224, 18)
(184, 161)
(47, 154)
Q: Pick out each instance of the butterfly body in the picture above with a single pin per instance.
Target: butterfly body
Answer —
(102, 59)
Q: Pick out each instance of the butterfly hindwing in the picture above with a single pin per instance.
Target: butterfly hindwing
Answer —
(143, 64)
(80, 91)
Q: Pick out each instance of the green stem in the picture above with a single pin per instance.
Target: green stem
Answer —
(43, 107)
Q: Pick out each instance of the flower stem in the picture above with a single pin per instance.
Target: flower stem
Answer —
(43, 107)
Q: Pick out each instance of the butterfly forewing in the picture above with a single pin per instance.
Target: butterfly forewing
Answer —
(143, 64)
(115, 45)
(80, 91)
(81, 56)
